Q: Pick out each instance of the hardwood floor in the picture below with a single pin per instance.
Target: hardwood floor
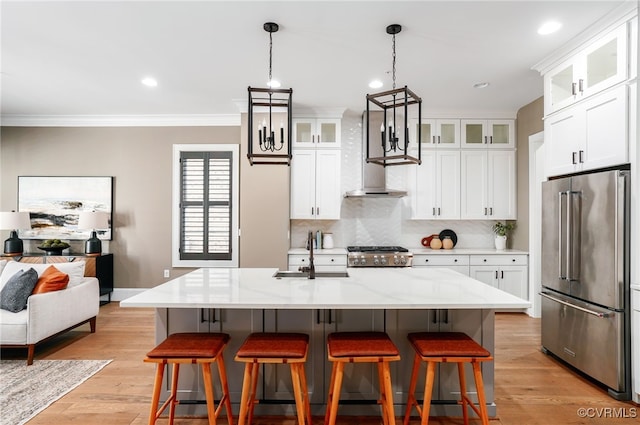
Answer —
(531, 388)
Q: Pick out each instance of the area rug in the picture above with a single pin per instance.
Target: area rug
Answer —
(27, 390)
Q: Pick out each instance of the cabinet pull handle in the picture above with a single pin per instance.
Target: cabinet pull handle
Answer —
(434, 210)
(426, 260)
(581, 85)
(455, 261)
(317, 210)
(330, 317)
(573, 89)
(318, 316)
(501, 274)
(485, 140)
(496, 274)
(491, 140)
(439, 140)
(490, 210)
(312, 210)
(485, 211)
(573, 158)
(581, 156)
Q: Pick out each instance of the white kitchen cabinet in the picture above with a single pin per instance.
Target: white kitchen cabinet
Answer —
(315, 184)
(493, 134)
(436, 133)
(234, 322)
(316, 132)
(321, 262)
(459, 263)
(488, 184)
(598, 66)
(505, 272)
(589, 135)
(435, 193)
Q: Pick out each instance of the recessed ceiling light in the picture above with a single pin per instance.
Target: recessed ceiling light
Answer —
(274, 84)
(149, 82)
(549, 27)
(375, 84)
(481, 85)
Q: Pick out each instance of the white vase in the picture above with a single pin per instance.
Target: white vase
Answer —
(501, 242)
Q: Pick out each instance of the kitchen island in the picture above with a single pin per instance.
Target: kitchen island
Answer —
(395, 300)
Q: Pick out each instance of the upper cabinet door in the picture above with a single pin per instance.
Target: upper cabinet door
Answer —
(316, 132)
(443, 133)
(598, 66)
(478, 134)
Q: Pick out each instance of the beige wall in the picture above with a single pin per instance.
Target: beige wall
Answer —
(264, 211)
(529, 121)
(139, 158)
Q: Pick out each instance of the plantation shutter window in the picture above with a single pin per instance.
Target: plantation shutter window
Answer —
(206, 189)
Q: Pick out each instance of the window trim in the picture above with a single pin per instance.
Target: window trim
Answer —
(175, 209)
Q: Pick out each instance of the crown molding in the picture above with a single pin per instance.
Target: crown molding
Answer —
(624, 13)
(196, 120)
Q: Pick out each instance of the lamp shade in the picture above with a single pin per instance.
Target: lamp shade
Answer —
(93, 220)
(14, 220)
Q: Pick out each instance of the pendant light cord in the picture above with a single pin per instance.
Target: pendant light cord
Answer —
(270, 55)
(393, 68)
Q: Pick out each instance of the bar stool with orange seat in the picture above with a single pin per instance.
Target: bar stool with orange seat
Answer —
(190, 348)
(361, 347)
(274, 347)
(446, 347)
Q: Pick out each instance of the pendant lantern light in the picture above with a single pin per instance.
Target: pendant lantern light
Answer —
(398, 107)
(269, 118)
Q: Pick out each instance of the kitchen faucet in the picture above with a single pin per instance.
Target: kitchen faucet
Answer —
(311, 269)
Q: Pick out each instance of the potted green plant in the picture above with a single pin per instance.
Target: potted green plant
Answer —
(501, 229)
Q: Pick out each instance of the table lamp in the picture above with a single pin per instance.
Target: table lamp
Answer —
(93, 220)
(13, 221)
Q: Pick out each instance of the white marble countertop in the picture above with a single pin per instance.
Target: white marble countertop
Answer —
(420, 251)
(467, 251)
(365, 288)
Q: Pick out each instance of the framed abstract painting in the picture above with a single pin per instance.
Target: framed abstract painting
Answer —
(54, 204)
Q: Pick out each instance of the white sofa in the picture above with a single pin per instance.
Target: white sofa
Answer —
(50, 313)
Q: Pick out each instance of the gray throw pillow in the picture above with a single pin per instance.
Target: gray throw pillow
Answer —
(13, 296)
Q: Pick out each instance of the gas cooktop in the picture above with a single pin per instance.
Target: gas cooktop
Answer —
(376, 249)
(378, 256)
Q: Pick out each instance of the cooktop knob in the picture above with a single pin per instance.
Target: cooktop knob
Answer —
(376, 260)
(396, 261)
(383, 260)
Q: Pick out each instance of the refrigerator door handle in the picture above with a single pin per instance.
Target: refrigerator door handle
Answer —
(562, 271)
(569, 238)
(585, 310)
(573, 235)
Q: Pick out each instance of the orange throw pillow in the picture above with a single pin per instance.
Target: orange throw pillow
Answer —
(51, 280)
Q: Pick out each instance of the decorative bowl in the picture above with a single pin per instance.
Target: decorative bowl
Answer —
(53, 247)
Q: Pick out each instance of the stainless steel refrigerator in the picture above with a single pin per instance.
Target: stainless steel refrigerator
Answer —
(586, 276)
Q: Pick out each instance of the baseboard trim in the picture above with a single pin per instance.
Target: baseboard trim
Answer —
(120, 294)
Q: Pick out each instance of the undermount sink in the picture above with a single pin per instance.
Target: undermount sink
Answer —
(289, 273)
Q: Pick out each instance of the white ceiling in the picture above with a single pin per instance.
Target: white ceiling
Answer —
(87, 58)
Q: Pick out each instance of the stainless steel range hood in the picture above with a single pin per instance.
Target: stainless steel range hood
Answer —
(373, 176)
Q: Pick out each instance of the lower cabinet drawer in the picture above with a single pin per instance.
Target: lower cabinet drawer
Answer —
(318, 260)
(498, 260)
(440, 260)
